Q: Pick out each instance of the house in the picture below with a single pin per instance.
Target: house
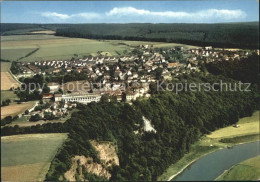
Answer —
(47, 96)
(53, 86)
(208, 48)
(172, 65)
(149, 63)
(167, 76)
(58, 97)
(131, 96)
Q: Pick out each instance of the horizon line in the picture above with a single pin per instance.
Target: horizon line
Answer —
(134, 23)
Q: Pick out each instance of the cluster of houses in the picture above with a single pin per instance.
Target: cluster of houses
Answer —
(55, 110)
(125, 77)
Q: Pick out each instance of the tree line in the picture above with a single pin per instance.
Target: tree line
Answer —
(238, 35)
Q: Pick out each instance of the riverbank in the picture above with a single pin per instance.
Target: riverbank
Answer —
(211, 143)
(246, 170)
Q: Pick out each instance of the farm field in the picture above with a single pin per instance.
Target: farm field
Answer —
(7, 81)
(51, 47)
(28, 157)
(54, 47)
(155, 44)
(246, 170)
(28, 37)
(14, 54)
(16, 109)
(5, 66)
(44, 32)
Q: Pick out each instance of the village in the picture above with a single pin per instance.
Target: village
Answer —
(122, 78)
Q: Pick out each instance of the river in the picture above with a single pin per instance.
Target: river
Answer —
(214, 164)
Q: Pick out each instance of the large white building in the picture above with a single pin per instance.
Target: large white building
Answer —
(84, 98)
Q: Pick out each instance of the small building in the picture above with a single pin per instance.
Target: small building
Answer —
(47, 96)
(53, 86)
(172, 65)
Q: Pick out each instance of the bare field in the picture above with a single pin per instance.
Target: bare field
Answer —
(31, 172)
(44, 32)
(7, 81)
(15, 109)
(28, 157)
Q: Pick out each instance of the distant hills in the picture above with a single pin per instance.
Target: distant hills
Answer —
(232, 35)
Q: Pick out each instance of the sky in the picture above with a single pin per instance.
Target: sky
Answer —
(179, 11)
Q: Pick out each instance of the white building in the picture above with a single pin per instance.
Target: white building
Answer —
(83, 98)
(53, 86)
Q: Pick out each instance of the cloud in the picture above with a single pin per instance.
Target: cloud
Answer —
(131, 15)
(55, 15)
(60, 16)
(224, 14)
(87, 15)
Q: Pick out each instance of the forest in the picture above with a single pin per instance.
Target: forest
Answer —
(236, 35)
(240, 35)
(179, 119)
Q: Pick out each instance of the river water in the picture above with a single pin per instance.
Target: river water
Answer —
(214, 164)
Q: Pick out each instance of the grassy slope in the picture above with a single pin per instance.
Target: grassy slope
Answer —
(246, 170)
(27, 157)
(209, 144)
(247, 125)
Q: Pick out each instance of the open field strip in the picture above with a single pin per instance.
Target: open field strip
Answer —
(7, 81)
(5, 66)
(28, 157)
(54, 47)
(208, 144)
(30, 123)
(15, 109)
(28, 37)
(15, 53)
(7, 78)
(246, 170)
(44, 32)
(154, 44)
